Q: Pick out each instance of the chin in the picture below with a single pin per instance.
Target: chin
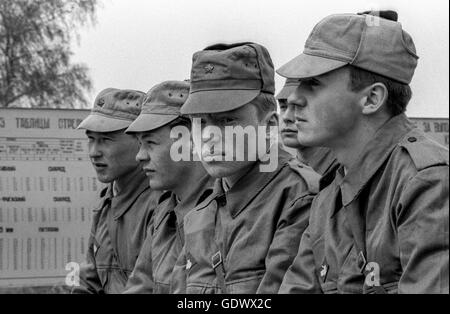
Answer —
(104, 179)
(292, 143)
(157, 185)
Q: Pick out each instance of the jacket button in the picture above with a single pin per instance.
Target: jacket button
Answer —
(412, 139)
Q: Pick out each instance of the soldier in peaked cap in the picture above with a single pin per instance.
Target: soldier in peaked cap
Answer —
(380, 225)
(243, 236)
(120, 222)
(183, 182)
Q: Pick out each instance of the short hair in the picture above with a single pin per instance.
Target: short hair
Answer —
(399, 94)
(264, 103)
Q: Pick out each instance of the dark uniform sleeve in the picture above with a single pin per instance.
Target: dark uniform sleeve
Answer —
(141, 279)
(284, 246)
(301, 276)
(89, 279)
(423, 223)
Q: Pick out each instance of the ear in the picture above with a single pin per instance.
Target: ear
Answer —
(373, 98)
(271, 119)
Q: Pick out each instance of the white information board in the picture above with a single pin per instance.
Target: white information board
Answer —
(435, 128)
(47, 192)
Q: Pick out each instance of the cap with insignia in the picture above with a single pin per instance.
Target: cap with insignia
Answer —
(161, 106)
(113, 110)
(225, 77)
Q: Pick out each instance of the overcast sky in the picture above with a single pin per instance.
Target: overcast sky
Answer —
(139, 43)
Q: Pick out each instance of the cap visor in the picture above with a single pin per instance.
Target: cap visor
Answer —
(100, 123)
(149, 122)
(217, 101)
(286, 92)
(304, 66)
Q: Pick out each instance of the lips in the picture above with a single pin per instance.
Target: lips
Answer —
(148, 171)
(288, 131)
(99, 165)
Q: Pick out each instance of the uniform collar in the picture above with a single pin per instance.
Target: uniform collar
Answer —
(123, 201)
(374, 155)
(195, 191)
(180, 209)
(242, 193)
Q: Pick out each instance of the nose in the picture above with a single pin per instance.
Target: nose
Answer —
(142, 155)
(94, 150)
(297, 99)
(211, 134)
(289, 114)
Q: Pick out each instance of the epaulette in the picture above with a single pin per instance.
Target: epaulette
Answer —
(310, 177)
(423, 151)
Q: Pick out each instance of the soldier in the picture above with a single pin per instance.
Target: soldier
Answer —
(119, 223)
(381, 224)
(321, 159)
(243, 237)
(183, 182)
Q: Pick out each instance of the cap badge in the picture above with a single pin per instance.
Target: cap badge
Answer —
(100, 102)
(209, 68)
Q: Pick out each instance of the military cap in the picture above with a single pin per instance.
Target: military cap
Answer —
(161, 106)
(373, 41)
(226, 77)
(113, 110)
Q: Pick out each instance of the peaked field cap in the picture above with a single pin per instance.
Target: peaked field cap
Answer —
(289, 87)
(225, 77)
(373, 41)
(114, 109)
(161, 106)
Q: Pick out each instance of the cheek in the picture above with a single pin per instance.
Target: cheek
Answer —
(335, 114)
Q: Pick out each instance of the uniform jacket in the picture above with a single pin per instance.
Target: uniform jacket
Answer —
(321, 159)
(243, 241)
(383, 227)
(164, 242)
(118, 231)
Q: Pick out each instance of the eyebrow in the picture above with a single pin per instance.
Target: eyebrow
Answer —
(149, 136)
(310, 79)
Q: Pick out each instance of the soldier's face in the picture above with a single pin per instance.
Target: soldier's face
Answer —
(112, 154)
(214, 147)
(155, 159)
(326, 111)
(288, 129)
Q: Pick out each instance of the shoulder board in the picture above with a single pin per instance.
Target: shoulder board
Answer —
(310, 177)
(423, 151)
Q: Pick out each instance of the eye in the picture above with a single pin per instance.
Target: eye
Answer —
(107, 139)
(226, 120)
(310, 83)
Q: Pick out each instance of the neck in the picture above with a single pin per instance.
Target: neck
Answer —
(190, 179)
(122, 182)
(350, 146)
